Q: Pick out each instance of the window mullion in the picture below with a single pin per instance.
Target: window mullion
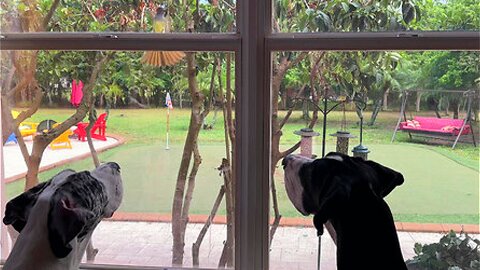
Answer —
(253, 123)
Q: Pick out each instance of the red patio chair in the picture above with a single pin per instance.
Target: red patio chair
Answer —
(98, 129)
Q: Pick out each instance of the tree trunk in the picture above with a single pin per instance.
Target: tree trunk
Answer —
(447, 107)
(436, 105)
(180, 218)
(375, 112)
(385, 99)
(417, 102)
(456, 107)
(39, 145)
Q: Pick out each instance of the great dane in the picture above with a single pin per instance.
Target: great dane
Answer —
(56, 218)
(349, 192)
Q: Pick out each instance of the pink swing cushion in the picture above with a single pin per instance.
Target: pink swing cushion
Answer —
(435, 125)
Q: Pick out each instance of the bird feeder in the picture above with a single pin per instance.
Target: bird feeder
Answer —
(343, 136)
(361, 150)
(306, 145)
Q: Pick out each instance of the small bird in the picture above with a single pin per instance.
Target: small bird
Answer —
(161, 58)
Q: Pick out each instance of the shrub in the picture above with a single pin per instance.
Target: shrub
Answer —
(453, 252)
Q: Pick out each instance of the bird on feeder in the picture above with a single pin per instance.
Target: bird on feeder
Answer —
(162, 58)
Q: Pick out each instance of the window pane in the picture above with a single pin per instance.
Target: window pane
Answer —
(118, 16)
(373, 16)
(441, 184)
(168, 127)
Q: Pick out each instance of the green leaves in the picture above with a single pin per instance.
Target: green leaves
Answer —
(451, 252)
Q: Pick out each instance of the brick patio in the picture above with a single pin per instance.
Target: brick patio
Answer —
(150, 243)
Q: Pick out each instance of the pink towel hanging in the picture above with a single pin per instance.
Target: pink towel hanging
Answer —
(77, 93)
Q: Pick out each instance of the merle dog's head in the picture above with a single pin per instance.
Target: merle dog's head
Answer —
(311, 184)
(71, 204)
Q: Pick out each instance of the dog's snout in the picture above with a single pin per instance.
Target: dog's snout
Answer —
(114, 166)
(286, 160)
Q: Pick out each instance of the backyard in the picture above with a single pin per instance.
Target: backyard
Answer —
(441, 186)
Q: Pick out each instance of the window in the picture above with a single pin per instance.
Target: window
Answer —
(253, 42)
(375, 16)
(119, 16)
(379, 82)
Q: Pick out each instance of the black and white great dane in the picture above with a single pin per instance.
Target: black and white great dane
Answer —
(56, 218)
(349, 192)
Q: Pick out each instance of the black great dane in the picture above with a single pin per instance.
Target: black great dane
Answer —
(56, 218)
(349, 192)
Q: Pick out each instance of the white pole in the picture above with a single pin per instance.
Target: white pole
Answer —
(168, 126)
(3, 229)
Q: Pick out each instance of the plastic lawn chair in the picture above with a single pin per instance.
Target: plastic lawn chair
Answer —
(98, 129)
(62, 141)
(26, 128)
(12, 138)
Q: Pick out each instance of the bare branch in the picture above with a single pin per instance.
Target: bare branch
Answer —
(209, 107)
(274, 227)
(23, 146)
(297, 60)
(197, 160)
(91, 121)
(290, 111)
(229, 99)
(50, 13)
(289, 151)
(33, 108)
(206, 226)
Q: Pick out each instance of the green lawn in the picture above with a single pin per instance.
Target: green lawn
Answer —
(441, 185)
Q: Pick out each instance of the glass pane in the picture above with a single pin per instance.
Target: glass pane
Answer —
(373, 16)
(117, 16)
(169, 128)
(401, 109)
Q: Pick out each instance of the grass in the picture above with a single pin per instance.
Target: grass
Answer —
(442, 185)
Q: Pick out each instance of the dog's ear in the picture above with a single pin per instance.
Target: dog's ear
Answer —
(387, 179)
(18, 209)
(66, 219)
(330, 201)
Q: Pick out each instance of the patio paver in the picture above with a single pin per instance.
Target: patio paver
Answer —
(150, 244)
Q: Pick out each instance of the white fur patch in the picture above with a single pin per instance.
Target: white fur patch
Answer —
(336, 157)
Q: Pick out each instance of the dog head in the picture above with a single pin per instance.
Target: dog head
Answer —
(73, 203)
(313, 185)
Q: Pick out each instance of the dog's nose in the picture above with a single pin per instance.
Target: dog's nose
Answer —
(114, 166)
(286, 160)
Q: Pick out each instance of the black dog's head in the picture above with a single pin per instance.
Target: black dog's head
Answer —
(315, 186)
(348, 192)
(75, 203)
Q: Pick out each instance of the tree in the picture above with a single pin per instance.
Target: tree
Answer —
(445, 70)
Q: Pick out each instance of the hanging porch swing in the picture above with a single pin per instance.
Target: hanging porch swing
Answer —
(434, 127)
